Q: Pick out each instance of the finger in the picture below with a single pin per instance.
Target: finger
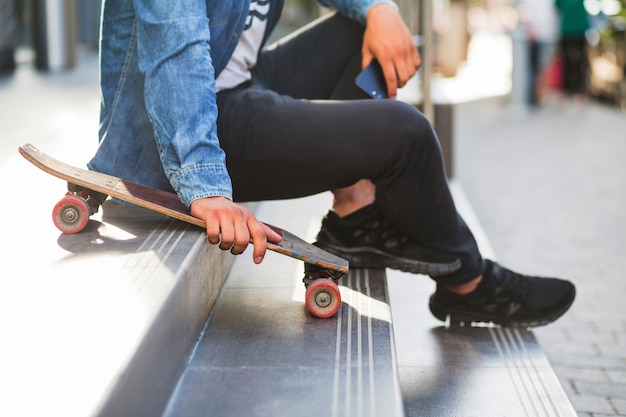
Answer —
(227, 235)
(417, 59)
(259, 240)
(242, 237)
(391, 78)
(272, 235)
(404, 73)
(213, 231)
(408, 64)
(366, 58)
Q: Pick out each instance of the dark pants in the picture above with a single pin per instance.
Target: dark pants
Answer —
(575, 67)
(301, 127)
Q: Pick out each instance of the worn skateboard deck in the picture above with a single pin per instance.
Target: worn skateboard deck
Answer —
(169, 204)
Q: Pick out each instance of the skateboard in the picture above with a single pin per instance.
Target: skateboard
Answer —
(89, 189)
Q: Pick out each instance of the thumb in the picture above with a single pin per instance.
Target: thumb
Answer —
(366, 58)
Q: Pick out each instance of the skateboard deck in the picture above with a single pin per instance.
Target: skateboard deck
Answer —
(72, 213)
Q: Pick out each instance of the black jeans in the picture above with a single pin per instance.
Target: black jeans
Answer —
(301, 127)
(575, 66)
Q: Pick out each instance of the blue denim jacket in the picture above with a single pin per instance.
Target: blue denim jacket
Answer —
(159, 60)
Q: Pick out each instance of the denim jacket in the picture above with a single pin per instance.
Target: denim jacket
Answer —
(159, 60)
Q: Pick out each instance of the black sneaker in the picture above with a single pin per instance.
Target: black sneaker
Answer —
(366, 240)
(507, 298)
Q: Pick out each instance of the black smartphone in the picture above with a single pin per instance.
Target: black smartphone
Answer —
(372, 80)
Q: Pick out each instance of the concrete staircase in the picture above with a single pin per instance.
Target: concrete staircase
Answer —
(260, 353)
(144, 317)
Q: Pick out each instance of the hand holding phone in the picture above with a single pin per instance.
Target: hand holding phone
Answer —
(372, 80)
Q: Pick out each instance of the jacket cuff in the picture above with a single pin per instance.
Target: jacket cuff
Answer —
(201, 181)
(372, 3)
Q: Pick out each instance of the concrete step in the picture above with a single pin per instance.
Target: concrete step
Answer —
(262, 354)
(468, 371)
(175, 309)
(101, 322)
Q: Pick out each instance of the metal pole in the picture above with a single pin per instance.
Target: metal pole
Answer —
(55, 36)
(428, 56)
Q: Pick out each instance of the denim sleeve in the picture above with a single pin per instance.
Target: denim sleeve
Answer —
(354, 9)
(179, 91)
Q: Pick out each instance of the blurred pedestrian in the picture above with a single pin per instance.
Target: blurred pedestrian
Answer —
(541, 23)
(573, 47)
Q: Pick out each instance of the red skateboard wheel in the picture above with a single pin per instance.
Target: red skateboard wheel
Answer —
(323, 298)
(71, 214)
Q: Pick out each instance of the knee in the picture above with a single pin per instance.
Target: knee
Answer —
(410, 129)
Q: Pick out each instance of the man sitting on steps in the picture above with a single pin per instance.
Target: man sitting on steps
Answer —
(193, 102)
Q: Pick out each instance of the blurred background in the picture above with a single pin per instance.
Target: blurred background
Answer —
(50, 33)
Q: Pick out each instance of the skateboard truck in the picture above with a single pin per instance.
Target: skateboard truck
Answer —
(93, 198)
